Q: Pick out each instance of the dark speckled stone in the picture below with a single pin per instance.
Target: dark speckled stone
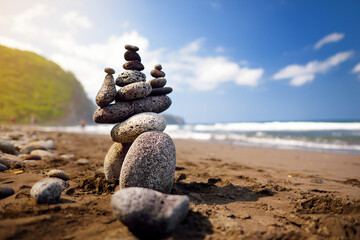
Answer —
(121, 111)
(150, 163)
(107, 92)
(157, 82)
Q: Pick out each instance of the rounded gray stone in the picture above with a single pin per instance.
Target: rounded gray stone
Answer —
(109, 70)
(107, 92)
(133, 91)
(121, 111)
(114, 160)
(7, 147)
(161, 91)
(148, 211)
(46, 190)
(64, 184)
(131, 128)
(150, 163)
(131, 47)
(6, 191)
(56, 173)
(130, 76)
(157, 82)
(3, 167)
(158, 67)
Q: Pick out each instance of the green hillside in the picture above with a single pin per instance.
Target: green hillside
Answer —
(32, 85)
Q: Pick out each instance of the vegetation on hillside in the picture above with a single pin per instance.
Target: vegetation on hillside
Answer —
(32, 85)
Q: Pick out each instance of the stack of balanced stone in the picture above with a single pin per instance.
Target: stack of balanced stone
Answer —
(142, 156)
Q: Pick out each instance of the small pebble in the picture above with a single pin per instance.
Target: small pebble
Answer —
(109, 70)
(131, 48)
(7, 147)
(83, 161)
(46, 190)
(31, 157)
(157, 82)
(3, 167)
(107, 92)
(56, 173)
(43, 154)
(160, 91)
(133, 65)
(130, 76)
(157, 73)
(10, 161)
(131, 55)
(158, 67)
(67, 157)
(6, 191)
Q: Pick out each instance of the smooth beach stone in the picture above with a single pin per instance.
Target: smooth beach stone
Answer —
(133, 65)
(131, 48)
(6, 191)
(148, 211)
(121, 111)
(158, 67)
(56, 173)
(131, 55)
(157, 73)
(130, 76)
(67, 157)
(157, 82)
(3, 167)
(107, 92)
(7, 147)
(109, 70)
(46, 190)
(130, 129)
(150, 163)
(133, 91)
(30, 157)
(161, 91)
(83, 161)
(114, 160)
(43, 154)
(10, 161)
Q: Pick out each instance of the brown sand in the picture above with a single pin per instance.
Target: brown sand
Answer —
(235, 192)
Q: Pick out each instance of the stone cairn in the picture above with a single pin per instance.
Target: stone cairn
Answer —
(142, 157)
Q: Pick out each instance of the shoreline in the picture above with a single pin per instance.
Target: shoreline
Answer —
(235, 192)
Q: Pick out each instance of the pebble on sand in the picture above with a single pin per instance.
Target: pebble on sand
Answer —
(148, 211)
(83, 161)
(7, 147)
(56, 173)
(114, 160)
(46, 190)
(43, 154)
(3, 167)
(10, 161)
(6, 191)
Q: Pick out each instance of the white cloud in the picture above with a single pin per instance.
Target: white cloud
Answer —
(331, 38)
(185, 67)
(18, 45)
(301, 74)
(220, 49)
(356, 69)
(74, 18)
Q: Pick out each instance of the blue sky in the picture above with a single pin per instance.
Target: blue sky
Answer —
(227, 61)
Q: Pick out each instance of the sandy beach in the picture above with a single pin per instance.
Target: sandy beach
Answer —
(235, 192)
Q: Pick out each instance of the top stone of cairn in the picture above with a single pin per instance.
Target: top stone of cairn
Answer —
(131, 47)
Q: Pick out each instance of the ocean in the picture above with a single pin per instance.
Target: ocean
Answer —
(340, 137)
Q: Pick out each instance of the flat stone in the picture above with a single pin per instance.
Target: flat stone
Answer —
(157, 73)
(10, 161)
(30, 157)
(44, 154)
(107, 92)
(131, 55)
(131, 48)
(158, 67)
(130, 129)
(130, 76)
(46, 190)
(7, 147)
(133, 91)
(161, 91)
(148, 211)
(157, 82)
(83, 161)
(3, 167)
(121, 111)
(6, 191)
(150, 163)
(114, 160)
(109, 70)
(56, 173)
(133, 65)
(67, 157)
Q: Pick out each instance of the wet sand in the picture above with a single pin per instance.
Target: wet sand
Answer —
(235, 192)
